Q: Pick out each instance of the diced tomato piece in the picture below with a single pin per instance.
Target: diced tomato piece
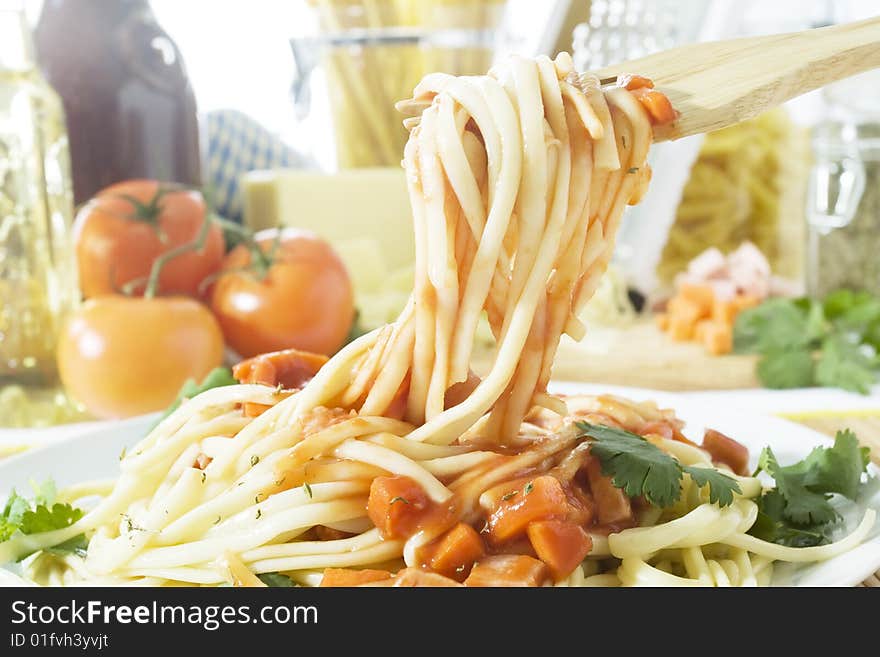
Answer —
(456, 551)
(656, 103)
(351, 577)
(612, 505)
(397, 506)
(560, 544)
(680, 437)
(658, 428)
(581, 506)
(727, 450)
(458, 392)
(325, 533)
(290, 368)
(397, 408)
(508, 570)
(542, 497)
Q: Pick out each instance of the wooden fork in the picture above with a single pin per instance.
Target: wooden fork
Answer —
(720, 83)
(717, 84)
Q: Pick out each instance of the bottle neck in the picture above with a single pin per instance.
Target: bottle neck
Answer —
(16, 42)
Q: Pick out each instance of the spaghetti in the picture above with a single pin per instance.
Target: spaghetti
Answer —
(395, 464)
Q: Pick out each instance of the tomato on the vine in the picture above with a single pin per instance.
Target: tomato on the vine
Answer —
(121, 356)
(120, 233)
(289, 291)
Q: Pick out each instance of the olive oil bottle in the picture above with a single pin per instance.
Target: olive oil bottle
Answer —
(38, 286)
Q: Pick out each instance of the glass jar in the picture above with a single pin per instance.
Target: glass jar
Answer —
(843, 208)
(37, 271)
(366, 56)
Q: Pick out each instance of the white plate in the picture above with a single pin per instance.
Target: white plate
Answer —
(96, 454)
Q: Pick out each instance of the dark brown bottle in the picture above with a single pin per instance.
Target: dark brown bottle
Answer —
(130, 109)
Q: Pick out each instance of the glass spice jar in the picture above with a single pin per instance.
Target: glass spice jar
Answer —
(844, 199)
(38, 285)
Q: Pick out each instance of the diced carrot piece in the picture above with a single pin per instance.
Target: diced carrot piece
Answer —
(718, 338)
(560, 544)
(657, 105)
(612, 505)
(254, 409)
(727, 450)
(290, 368)
(456, 552)
(397, 505)
(414, 577)
(508, 570)
(701, 295)
(540, 498)
(681, 328)
(662, 321)
(687, 309)
(702, 328)
(351, 577)
(724, 311)
(745, 301)
(633, 82)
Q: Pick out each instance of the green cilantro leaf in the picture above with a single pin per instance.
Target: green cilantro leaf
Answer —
(357, 329)
(721, 486)
(772, 525)
(76, 545)
(276, 580)
(775, 325)
(804, 342)
(806, 487)
(840, 302)
(44, 519)
(786, 369)
(853, 310)
(219, 377)
(846, 363)
(640, 468)
(634, 464)
(836, 469)
(13, 511)
(42, 514)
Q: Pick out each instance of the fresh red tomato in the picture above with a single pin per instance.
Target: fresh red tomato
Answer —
(122, 356)
(304, 299)
(121, 232)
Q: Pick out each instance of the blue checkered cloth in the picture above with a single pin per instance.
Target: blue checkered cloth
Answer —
(237, 144)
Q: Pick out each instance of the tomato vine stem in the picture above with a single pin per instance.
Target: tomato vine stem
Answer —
(195, 245)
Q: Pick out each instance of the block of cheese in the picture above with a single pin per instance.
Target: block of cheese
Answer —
(364, 205)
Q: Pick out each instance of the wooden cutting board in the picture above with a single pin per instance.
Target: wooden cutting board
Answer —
(642, 356)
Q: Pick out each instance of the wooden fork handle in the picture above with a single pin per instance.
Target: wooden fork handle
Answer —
(717, 84)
